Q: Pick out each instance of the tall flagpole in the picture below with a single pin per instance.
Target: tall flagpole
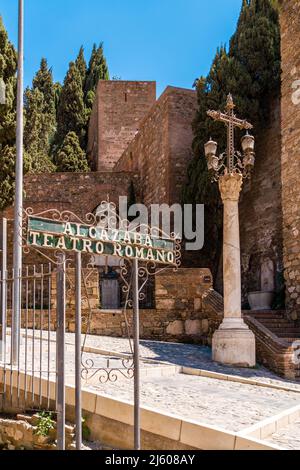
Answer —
(18, 209)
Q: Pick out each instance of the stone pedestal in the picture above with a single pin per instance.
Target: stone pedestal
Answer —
(233, 343)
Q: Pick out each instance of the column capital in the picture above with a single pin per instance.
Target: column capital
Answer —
(230, 186)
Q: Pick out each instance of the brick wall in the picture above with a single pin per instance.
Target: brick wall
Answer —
(118, 110)
(290, 126)
(161, 151)
(260, 208)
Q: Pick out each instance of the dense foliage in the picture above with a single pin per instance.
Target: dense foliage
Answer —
(8, 68)
(71, 157)
(250, 70)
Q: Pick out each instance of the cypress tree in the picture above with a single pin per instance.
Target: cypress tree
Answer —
(43, 81)
(81, 65)
(57, 93)
(7, 174)
(97, 70)
(250, 70)
(40, 119)
(71, 157)
(37, 131)
(8, 68)
(71, 114)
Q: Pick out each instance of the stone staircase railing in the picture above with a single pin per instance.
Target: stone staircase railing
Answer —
(275, 353)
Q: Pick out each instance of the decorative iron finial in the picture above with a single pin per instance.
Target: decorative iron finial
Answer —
(230, 161)
(230, 103)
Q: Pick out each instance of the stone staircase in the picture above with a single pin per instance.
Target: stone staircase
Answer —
(275, 337)
(276, 322)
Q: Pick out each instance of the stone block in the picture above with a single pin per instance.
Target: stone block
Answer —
(205, 326)
(206, 437)
(88, 401)
(244, 443)
(197, 304)
(175, 328)
(114, 409)
(193, 327)
(160, 424)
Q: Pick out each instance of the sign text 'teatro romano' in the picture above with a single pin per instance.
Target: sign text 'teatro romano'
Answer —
(76, 237)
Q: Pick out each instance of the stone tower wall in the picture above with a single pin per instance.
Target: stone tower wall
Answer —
(118, 110)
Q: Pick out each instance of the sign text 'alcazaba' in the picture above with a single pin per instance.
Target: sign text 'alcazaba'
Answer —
(76, 237)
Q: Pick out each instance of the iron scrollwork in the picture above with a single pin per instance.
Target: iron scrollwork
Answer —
(105, 217)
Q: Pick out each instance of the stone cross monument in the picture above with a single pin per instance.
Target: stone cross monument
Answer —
(233, 343)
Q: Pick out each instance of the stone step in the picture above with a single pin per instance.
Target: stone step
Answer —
(287, 331)
(264, 312)
(291, 340)
(278, 324)
(265, 315)
(287, 336)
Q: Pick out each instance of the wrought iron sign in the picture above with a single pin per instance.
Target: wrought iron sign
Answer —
(142, 252)
(95, 240)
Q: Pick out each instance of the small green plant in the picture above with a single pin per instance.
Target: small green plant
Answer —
(86, 432)
(45, 423)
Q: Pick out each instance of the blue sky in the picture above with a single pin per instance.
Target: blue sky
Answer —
(170, 41)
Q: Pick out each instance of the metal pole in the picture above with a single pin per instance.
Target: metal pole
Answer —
(136, 315)
(60, 351)
(78, 355)
(18, 209)
(3, 291)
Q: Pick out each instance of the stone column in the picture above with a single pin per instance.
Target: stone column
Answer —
(233, 343)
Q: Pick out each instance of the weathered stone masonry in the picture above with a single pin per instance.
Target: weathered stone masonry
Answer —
(162, 149)
(290, 128)
(118, 109)
(179, 315)
(261, 209)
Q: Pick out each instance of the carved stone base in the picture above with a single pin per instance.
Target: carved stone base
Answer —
(234, 346)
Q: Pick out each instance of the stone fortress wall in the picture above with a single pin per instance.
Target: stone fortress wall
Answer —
(290, 156)
(161, 151)
(261, 212)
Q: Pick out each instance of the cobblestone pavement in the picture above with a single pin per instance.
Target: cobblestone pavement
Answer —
(288, 438)
(230, 405)
(188, 355)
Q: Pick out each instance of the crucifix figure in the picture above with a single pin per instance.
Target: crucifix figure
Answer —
(233, 343)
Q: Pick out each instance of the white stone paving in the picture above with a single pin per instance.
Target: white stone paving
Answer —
(288, 437)
(230, 405)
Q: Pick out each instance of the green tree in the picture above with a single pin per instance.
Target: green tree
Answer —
(7, 174)
(71, 113)
(71, 157)
(37, 132)
(40, 122)
(81, 65)
(43, 81)
(8, 68)
(250, 70)
(97, 70)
